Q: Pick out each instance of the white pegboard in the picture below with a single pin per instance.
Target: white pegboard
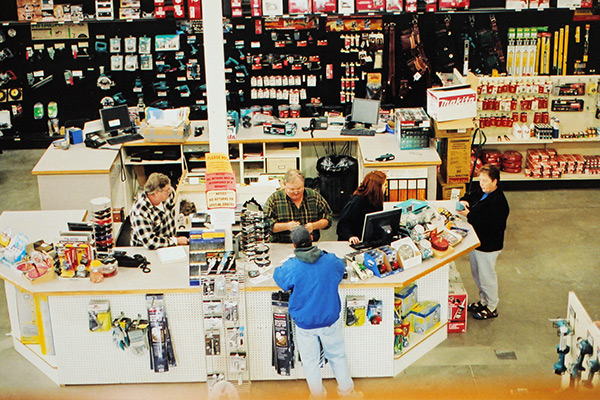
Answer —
(434, 287)
(85, 357)
(369, 348)
(582, 327)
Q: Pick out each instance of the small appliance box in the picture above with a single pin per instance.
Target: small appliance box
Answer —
(406, 297)
(457, 307)
(450, 103)
(425, 316)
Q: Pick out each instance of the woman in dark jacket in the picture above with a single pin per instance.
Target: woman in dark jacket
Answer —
(367, 198)
(487, 210)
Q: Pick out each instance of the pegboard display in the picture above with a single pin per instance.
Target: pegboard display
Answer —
(581, 328)
(225, 327)
(85, 357)
(365, 344)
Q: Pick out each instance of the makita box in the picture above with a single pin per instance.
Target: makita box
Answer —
(446, 104)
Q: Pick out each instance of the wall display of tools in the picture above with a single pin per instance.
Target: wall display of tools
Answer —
(542, 107)
(150, 53)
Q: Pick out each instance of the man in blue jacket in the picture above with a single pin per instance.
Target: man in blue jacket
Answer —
(313, 276)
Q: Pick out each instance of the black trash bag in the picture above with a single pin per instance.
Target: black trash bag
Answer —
(338, 179)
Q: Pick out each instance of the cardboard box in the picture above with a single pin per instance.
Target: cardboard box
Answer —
(457, 307)
(165, 134)
(445, 189)
(454, 129)
(451, 103)
(456, 159)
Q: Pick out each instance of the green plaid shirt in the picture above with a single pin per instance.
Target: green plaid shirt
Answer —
(280, 208)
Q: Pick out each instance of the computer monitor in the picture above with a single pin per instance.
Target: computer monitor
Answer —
(365, 111)
(115, 119)
(381, 227)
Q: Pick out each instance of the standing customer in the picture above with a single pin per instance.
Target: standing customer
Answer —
(313, 276)
(296, 205)
(367, 198)
(153, 215)
(487, 210)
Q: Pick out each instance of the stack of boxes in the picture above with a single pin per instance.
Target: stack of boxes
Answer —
(453, 109)
(457, 302)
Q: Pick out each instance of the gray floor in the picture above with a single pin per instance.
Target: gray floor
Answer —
(551, 248)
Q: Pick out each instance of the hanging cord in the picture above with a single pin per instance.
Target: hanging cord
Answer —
(478, 148)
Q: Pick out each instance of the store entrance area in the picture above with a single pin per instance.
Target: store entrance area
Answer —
(550, 249)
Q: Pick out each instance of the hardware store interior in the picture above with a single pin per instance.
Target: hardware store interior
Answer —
(538, 121)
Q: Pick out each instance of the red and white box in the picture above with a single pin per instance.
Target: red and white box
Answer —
(299, 6)
(393, 5)
(324, 6)
(370, 5)
(453, 4)
(447, 103)
(457, 307)
(194, 9)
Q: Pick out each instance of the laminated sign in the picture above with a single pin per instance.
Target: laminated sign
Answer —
(220, 182)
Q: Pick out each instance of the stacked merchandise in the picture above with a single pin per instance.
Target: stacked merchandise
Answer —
(283, 343)
(541, 163)
(102, 225)
(512, 161)
(493, 157)
(592, 164)
(546, 163)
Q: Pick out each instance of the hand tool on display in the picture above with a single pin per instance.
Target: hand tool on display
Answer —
(585, 349)
(555, 57)
(390, 89)
(594, 366)
(561, 43)
(562, 348)
(565, 51)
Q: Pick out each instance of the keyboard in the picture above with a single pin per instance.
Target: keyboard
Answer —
(124, 138)
(357, 132)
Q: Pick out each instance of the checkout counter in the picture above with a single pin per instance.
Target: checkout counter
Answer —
(64, 348)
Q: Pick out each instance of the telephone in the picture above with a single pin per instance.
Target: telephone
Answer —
(94, 140)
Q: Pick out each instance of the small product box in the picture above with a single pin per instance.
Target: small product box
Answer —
(408, 253)
(356, 310)
(99, 315)
(450, 103)
(457, 307)
(413, 128)
(425, 316)
(408, 296)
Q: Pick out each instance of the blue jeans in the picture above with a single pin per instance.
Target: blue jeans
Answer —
(483, 269)
(335, 352)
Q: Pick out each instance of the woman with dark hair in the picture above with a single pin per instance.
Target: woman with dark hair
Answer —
(367, 198)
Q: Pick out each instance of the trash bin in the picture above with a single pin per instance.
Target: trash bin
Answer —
(338, 178)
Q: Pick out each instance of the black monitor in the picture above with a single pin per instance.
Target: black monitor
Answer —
(381, 227)
(115, 120)
(365, 111)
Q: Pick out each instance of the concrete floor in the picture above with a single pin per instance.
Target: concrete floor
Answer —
(551, 248)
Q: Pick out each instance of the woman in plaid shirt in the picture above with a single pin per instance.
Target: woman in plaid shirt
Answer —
(295, 205)
(153, 215)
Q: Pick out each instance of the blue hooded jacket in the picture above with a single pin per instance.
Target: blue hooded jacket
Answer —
(313, 276)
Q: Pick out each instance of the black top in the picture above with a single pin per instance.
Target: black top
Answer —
(488, 217)
(352, 217)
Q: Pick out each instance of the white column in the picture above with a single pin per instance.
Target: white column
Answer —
(214, 65)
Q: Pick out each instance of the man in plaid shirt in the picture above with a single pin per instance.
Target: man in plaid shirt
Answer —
(295, 205)
(153, 215)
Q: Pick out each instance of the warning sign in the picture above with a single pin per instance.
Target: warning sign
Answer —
(220, 182)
